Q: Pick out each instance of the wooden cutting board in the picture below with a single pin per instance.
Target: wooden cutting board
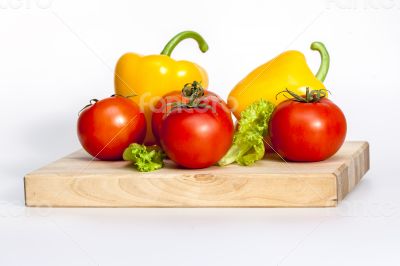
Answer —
(79, 181)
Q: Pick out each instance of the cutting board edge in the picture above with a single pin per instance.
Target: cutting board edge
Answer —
(317, 198)
(350, 173)
(346, 171)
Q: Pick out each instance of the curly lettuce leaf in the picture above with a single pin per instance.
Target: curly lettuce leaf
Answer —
(248, 145)
(145, 158)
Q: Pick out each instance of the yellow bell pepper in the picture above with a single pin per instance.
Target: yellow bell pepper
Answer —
(151, 77)
(288, 70)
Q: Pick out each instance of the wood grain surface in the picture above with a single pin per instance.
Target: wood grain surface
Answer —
(77, 180)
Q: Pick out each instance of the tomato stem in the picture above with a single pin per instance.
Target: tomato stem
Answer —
(91, 102)
(194, 93)
(312, 96)
(193, 90)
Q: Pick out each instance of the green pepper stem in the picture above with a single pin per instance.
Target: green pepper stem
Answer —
(324, 67)
(170, 46)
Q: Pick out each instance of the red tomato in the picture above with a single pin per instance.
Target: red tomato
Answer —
(164, 106)
(108, 126)
(197, 137)
(307, 132)
(268, 144)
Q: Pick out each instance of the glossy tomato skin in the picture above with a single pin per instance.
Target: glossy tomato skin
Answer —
(164, 106)
(307, 132)
(197, 137)
(107, 127)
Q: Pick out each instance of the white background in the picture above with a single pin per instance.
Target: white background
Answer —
(56, 55)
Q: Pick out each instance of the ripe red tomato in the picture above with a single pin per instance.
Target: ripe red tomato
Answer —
(197, 137)
(307, 132)
(164, 106)
(107, 127)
